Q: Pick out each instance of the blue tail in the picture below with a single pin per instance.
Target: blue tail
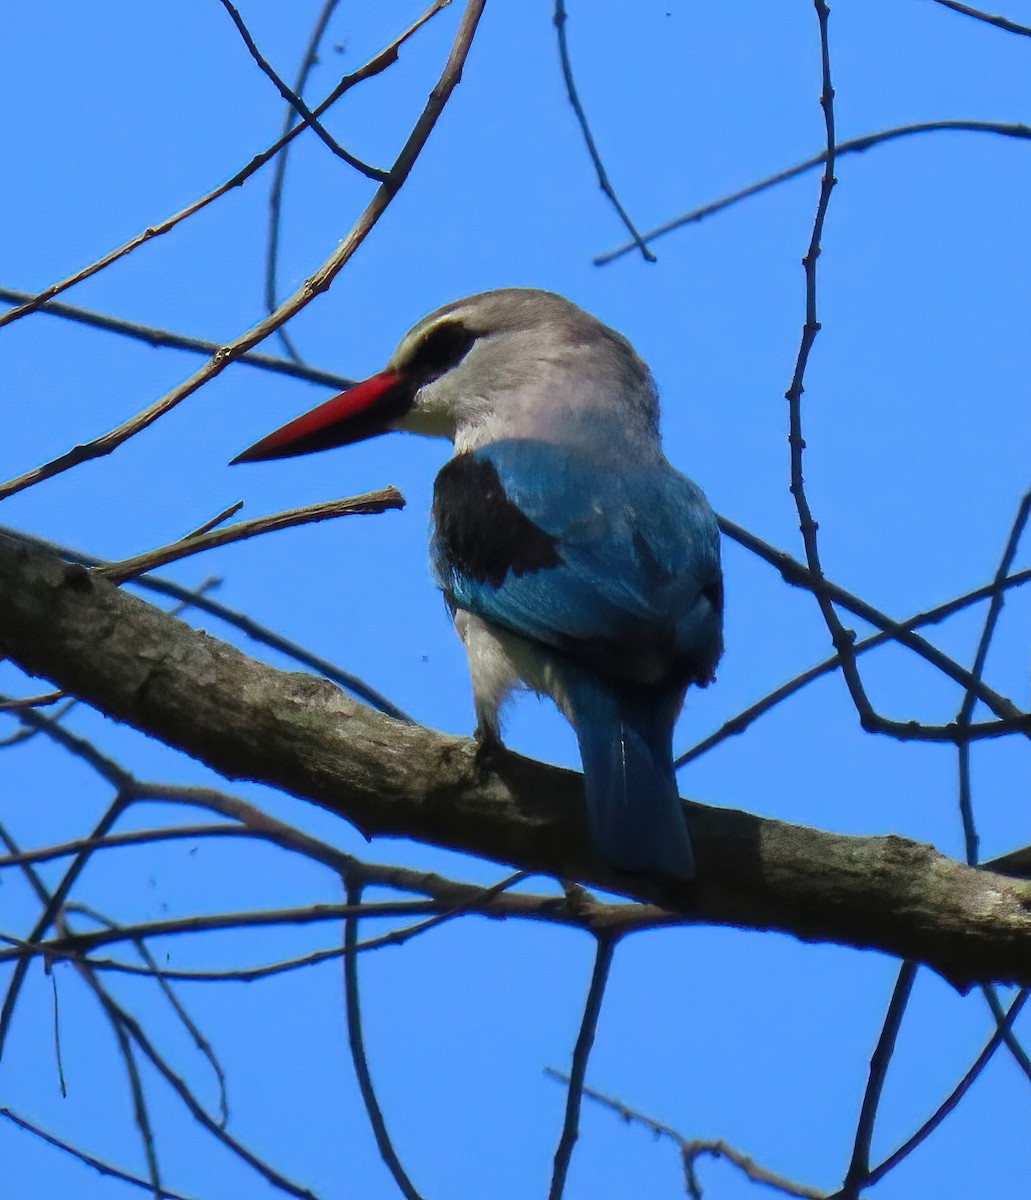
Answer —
(626, 736)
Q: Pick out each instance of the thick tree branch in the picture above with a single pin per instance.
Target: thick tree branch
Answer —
(294, 732)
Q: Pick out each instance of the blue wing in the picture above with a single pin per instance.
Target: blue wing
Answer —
(618, 569)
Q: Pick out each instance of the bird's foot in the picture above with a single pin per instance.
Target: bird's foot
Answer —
(489, 750)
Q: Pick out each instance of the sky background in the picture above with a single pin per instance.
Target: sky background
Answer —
(916, 417)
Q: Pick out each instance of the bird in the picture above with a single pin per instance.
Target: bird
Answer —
(575, 560)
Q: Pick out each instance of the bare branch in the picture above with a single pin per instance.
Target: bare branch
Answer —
(966, 711)
(311, 57)
(793, 572)
(742, 720)
(692, 1149)
(581, 1053)
(858, 1172)
(297, 104)
(852, 146)
(356, 1043)
(560, 19)
(978, 15)
(956, 1095)
(368, 504)
(175, 341)
(43, 701)
(300, 734)
(89, 1160)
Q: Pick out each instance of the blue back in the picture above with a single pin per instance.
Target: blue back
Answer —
(631, 585)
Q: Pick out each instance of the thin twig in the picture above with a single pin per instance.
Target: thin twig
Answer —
(978, 15)
(295, 101)
(368, 504)
(956, 1095)
(114, 841)
(88, 1160)
(581, 1054)
(693, 1148)
(42, 701)
(175, 341)
(75, 945)
(858, 1172)
(154, 972)
(140, 1110)
(852, 146)
(50, 913)
(795, 573)
(357, 1044)
(311, 57)
(215, 521)
(135, 1031)
(560, 19)
(742, 720)
(966, 711)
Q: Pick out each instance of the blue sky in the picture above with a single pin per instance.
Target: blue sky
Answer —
(916, 419)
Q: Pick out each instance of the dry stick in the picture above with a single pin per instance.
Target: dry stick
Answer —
(795, 573)
(238, 620)
(746, 717)
(141, 1113)
(753, 1171)
(58, 1057)
(311, 57)
(153, 971)
(852, 146)
(28, 732)
(396, 937)
(75, 945)
(581, 1053)
(124, 783)
(375, 66)
(978, 15)
(297, 104)
(842, 641)
(89, 1160)
(692, 1148)
(174, 341)
(50, 913)
(138, 837)
(966, 711)
(954, 1097)
(37, 885)
(560, 20)
(858, 1173)
(31, 701)
(218, 519)
(312, 287)
(366, 505)
(357, 1045)
(135, 1031)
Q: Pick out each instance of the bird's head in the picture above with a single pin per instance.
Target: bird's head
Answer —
(459, 366)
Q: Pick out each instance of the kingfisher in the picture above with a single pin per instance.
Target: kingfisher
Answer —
(575, 560)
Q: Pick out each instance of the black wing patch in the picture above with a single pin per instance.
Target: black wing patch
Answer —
(480, 533)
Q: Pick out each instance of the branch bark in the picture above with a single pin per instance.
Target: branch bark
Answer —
(302, 735)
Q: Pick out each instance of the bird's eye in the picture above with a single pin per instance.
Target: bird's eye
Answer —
(443, 347)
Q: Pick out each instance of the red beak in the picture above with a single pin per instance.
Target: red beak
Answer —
(365, 410)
